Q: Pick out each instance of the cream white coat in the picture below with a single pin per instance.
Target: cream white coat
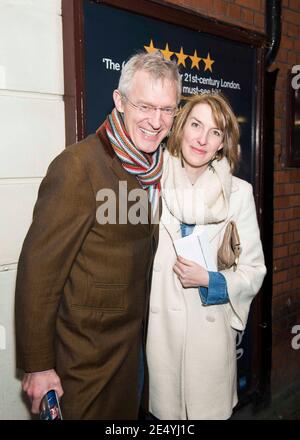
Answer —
(191, 348)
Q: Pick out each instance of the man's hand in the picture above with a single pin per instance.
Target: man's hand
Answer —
(36, 385)
(190, 273)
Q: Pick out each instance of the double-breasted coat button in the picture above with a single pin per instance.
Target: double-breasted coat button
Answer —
(157, 267)
(210, 318)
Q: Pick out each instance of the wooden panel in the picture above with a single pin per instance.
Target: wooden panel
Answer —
(12, 405)
(35, 59)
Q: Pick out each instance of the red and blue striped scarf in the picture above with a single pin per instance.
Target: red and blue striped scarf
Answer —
(147, 168)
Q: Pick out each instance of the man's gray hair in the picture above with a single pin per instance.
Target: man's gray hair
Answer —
(153, 63)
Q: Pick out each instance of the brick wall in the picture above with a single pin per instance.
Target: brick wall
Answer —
(246, 13)
(286, 269)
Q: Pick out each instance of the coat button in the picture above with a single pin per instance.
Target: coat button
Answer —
(210, 318)
(154, 309)
(157, 267)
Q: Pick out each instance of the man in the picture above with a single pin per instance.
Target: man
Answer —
(83, 284)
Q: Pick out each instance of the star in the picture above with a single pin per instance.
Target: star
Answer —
(166, 52)
(151, 48)
(195, 60)
(208, 62)
(181, 57)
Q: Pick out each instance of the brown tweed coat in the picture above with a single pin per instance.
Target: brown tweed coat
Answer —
(82, 288)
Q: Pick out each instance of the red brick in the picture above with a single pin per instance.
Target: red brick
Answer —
(296, 212)
(281, 202)
(294, 225)
(278, 240)
(280, 84)
(296, 235)
(284, 28)
(280, 252)
(294, 200)
(286, 42)
(220, 7)
(294, 4)
(280, 277)
(283, 189)
(259, 20)
(295, 175)
(280, 289)
(282, 55)
(294, 248)
(283, 263)
(288, 237)
(297, 44)
(280, 326)
(283, 214)
(282, 306)
(295, 298)
(296, 188)
(234, 12)
(296, 260)
(292, 30)
(281, 177)
(251, 4)
(293, 272)
(204, 5)
(295, 283)
(280, 227)
(247, 16)
(279, 98)
(292, 57)
(291, 16)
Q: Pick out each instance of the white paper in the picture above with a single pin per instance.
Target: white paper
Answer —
(196, 247)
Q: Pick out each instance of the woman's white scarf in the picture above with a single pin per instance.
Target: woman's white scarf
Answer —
(207, 201)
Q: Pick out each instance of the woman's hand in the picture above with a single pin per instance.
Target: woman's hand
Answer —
(190, 273)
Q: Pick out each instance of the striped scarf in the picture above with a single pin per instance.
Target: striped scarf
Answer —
(147, 168)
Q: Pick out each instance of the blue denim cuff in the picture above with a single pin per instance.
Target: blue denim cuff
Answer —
(216, 292)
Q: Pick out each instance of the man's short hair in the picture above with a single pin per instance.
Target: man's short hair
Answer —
(153, 63)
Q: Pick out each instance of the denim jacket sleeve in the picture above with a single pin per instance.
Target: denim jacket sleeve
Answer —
(216, 292)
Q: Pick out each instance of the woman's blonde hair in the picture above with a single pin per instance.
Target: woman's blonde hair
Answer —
(224, 118)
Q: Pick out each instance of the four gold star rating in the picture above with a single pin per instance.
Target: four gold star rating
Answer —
(181, 56)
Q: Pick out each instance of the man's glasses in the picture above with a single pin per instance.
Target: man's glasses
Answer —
(149, 109)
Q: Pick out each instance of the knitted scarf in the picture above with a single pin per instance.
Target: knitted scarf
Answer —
(207, 201)
(147, 168)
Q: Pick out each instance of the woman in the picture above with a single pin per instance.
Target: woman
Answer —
(195, 313)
